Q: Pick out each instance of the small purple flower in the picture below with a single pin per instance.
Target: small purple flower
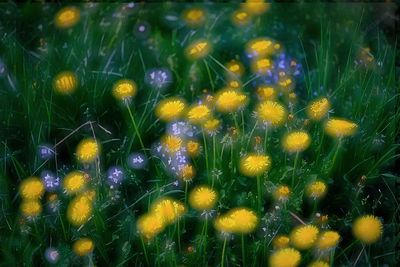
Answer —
(45, 152)
(142, 30)
(137, 161)
(52, 255)
(115, 175)
(158, 78)
(50, 180)
(182, 129)
(2, 68)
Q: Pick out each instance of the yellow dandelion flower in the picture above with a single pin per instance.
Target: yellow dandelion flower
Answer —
(260, 47)
(187, 173)
(318, 264)
(170, 109)
(87, 150)
(124, 89)
(171, 143)
(198, 113)
(271, 113)
(316, 190)
(281, 241)
(203, 198)
(296, 141)
(254, 164)
(318, 108)
(281, 193)
(286, 257)
(286, 83)
(327, 240)
(240, 17)
(211, 126)
(79, 210)
(304, 237)
(235, 67)
(67, 17)
(234, 84)
(225, 224)
(229, 100)
(266, 92)
(194, 17)
(262, 65)
(245, 220)
(83, 247)
(31, 188)
(65, 82)
(31, 208)
(256, 7)
(149, 225)
(74, 182)
(168, 209)
(193, 148)
(198, 49)
(367, 229)
(338, 128)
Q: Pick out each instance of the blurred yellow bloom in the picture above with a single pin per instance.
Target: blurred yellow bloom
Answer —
(149, 225)
(67, 17)
(304, 237)
(124, 89)
(254, 164)
(225, 224)
(74, 182)
(271, 113)
(229, 100)
(281, 241)
(65, 82)
(316, 190)
(327, 240)
(261, 47)
(318, 108)
(187, 173)
(287, 257)
(83, 247)
(367, 229)
(203, 198)
(256, 7)
(266, 92)
(31, 208)
(168, 210)
(211, 126)
(234, 84)
(79, 210)
(241, 17)
(31, 188)
(87, 150)
(262, 65)
(198, 49)
(193, 148)
(245, 220)
(318, 264)
(338, 128)
(198, 113)
(281, 193)
(235, 67)
(171, 143)
(170, 109)
(296, 141)
(194, 17)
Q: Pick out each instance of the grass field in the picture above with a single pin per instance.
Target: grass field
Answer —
(214, 134)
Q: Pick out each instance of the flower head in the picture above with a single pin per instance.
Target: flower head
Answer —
(262, 65)
(193, 148)
(149, 225)
(198, 49)
(67, 17)
(159, 78)
(282, 193)
(74, 182)
(304, 237)
(65, 82)
(211, 126)
(198, 113)
(229, 100)
(318, 264)
(83, 247)
(31, 208)
(237, 221)
(271, 113)
(87, 150)
(318, 108)
(281, 241)
(31, 188)
(187, 172)
(296, 141)
(194, 17)
(316, 189)
(367, 229)
(254, 164)
(327, 240)
(168, 209)
(338, 128)
(45, 151)
(260, 47)
(171, 143)
(170, 109)
(203, 198)
(225, 224)
(287, 257)
(266, 92)
(115, 175)
(256, 7)
(235, 68)
(52, 255)
(241, 17)
(79, 210)
(50, 180)
(124, 89)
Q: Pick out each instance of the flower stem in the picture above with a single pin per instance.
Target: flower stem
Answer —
(294, 168)
(335, 155)
(206, 154)
(135, 126)
(243, 254)
(223, 252)
(265, 138)
(145, 251)
(259, 192)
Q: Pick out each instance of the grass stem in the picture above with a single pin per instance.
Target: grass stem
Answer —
(223, 252)
(135, 126)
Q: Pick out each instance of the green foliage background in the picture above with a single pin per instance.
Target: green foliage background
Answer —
(324, 38)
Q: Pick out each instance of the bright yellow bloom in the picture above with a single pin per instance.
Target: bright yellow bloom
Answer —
(83, 246)
(170, 109)
(124, 89)
(225, 224)
(318, 108)
(262, 65)
(287, 257)
(171, 143)
(367, 229)
(282, 193)
(234, 84)
(187, 173)
(281, 241)
(198, 113)
(168, 210)
(256, 7)
(67, 17)
(74, 182)
(318, 264)
(31, 208)
(211, 126)
(198, 49)
(193, 148)
(266, 92)
(149, 225)
(245, 220)
(338, 128)
(235, 67)
(260, 47)
(304, 237)
(79, 210)
(203, 198)
(327, 240)
(254, 164)
(65, 82)
(271, 113)
(316, 189)
(194, 17)
(31, 188)
(87, 150)
(229, 100)
(296, 141)
(241, 17)
(286, 83)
